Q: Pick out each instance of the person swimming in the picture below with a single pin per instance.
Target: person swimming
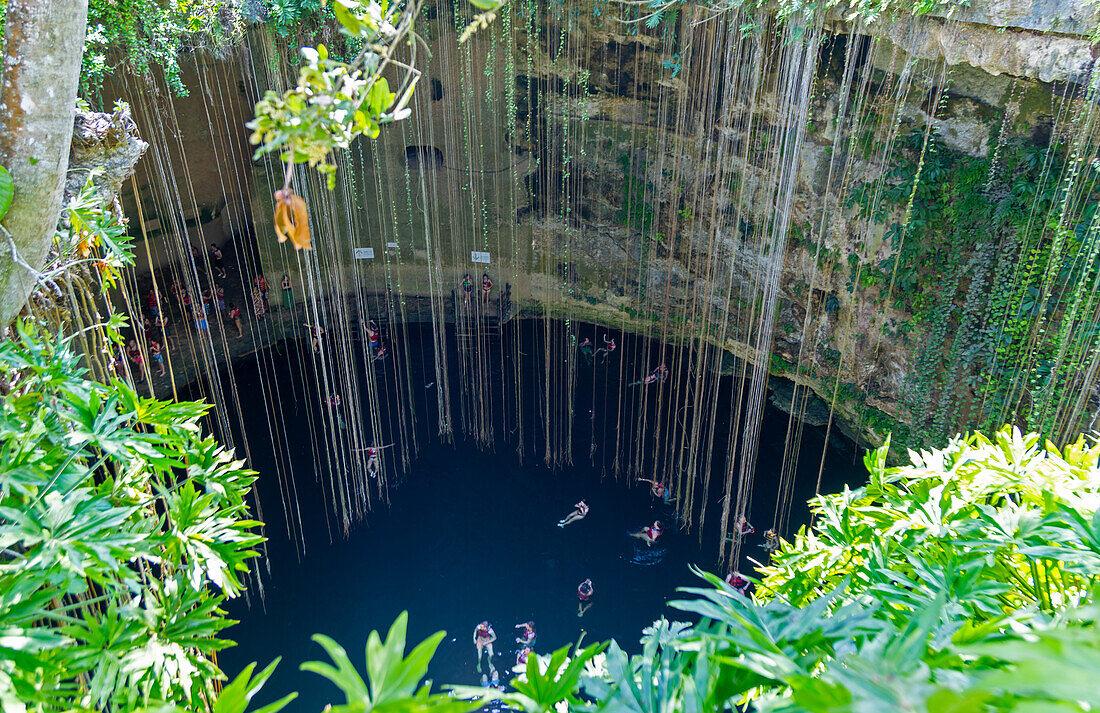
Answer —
(650, 534)
(659, 490)
(743, 526)
(608, 347)
(771, 541)
(374, 462)
(586, 349)
(578, 514)
(484, 636)
(527, 636)
(585, 592)
(740, 585)
(521, 657)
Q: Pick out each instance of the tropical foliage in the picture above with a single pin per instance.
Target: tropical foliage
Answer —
(335, 101)
(394, 681)
(140, 35)
(958, 583)
(123, 529)
(999, 299)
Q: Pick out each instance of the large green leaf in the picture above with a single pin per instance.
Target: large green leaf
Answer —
(7, 191)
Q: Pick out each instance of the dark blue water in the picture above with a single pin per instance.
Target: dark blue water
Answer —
(471, 534)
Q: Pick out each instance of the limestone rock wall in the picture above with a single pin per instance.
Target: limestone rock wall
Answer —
(594, 203)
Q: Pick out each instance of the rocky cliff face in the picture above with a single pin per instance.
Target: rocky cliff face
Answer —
(629, 175)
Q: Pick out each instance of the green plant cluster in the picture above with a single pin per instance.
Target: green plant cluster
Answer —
(123, 530)
(138, 36)
(336, 101)
(636, 213)
(141, 36)
(754, 12)
(973, 263)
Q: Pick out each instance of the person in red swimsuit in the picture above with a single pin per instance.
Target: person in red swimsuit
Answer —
(650, 534)
(740, 585)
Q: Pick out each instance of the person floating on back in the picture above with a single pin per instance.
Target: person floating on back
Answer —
(650, 534)
(374, 462)
(578, 514)
(484, 636)
(608, 347)
(521, 658)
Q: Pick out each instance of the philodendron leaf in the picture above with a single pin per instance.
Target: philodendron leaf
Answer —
(7, 191)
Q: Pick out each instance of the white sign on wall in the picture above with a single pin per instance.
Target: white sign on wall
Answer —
(481, 257)
(391, 245)
(364, 253)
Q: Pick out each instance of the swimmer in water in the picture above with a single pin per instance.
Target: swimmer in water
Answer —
(743, 526)
(578, 514)
(771, 541)
(521, 658)
(586, 349)
(650, 534)
(740, 585)
(585, 592)
(659, 490)
(374, 463)
(484, 636)
(608, 347)
(527, 636)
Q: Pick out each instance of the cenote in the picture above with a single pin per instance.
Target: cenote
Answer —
(470, 530)
(321, 313)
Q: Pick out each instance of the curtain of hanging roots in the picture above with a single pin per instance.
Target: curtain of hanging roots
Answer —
(503, 155)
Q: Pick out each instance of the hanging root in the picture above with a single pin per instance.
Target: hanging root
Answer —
(291, 219)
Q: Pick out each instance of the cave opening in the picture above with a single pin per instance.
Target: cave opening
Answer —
(423, 157)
